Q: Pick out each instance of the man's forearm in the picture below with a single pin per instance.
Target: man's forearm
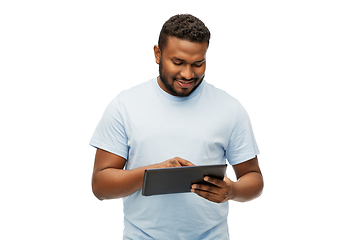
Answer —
(248, 187)
(113, 183)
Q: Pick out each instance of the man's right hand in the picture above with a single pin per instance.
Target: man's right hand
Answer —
(174, 162)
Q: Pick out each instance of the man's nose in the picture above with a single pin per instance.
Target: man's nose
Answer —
(187, 72)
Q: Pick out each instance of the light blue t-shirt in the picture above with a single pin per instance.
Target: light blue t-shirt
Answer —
(146, 125)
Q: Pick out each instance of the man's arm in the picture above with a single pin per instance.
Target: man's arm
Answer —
(248, 186)
(110, 180)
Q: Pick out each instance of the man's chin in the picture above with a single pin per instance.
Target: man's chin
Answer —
(181, 88)
(183, 93)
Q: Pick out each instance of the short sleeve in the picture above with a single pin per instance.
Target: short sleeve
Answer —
(242, 145)
(110, 134)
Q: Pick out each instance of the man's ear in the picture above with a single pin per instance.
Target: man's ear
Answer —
(157, 54)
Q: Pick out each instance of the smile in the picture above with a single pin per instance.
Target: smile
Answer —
(185, 84)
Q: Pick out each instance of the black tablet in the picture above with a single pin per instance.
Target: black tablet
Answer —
(178, 179)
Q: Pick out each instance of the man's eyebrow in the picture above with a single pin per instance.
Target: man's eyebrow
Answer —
(200, 61)
(177, 59)
(182, 60)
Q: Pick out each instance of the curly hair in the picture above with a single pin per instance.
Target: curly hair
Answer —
(185, 27)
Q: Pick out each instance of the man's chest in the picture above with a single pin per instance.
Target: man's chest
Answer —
(198, 134)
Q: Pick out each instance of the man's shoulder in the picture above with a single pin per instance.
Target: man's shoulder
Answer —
(218, 95)
(133, 95)
(137, 90)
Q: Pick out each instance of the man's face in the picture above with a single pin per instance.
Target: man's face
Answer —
(181, 66)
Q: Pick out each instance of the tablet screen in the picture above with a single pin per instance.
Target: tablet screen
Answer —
(178, 179)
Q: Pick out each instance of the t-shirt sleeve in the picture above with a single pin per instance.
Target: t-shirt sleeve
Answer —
(242, 145)
(110, 133)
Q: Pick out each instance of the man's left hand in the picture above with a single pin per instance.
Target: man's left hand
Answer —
(221, 190)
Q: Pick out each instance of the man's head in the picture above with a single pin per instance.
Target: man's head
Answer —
(181, 53)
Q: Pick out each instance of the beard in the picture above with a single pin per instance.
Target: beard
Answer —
(169, 82)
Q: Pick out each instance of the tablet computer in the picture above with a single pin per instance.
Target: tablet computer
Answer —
(178, 179)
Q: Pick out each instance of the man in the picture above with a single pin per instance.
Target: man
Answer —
(174, 120)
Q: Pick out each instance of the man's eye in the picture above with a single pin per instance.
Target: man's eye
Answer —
(178, 63)
(199, 64)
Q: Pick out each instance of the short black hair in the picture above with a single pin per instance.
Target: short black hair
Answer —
(185, 27)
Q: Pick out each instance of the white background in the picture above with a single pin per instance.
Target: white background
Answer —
(294, 65)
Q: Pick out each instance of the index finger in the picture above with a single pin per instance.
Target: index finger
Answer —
(184, 162)
(217, 182)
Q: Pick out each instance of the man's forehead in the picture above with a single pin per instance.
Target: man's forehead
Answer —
(174, 41)
(181, 49)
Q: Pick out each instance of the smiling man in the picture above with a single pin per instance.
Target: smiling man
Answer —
(175, 120)
(182, 66)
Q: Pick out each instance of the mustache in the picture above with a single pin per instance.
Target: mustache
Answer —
(186, 80)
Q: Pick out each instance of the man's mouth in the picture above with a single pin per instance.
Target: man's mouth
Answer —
(185, 84)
